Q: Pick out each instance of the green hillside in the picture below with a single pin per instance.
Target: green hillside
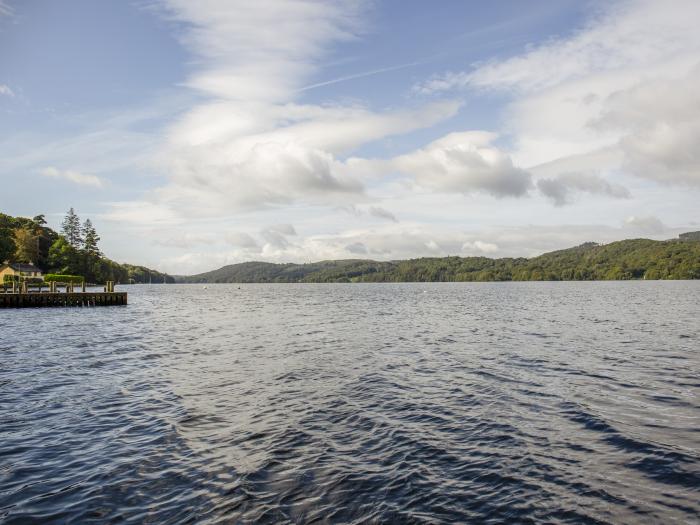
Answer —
(621, 260)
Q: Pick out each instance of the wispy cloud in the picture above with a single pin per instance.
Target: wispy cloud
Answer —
(250, 144)
(72, 176)
(5, 9)
(4, 88)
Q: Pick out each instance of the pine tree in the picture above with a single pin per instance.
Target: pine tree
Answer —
(90, 239)
(70, 228)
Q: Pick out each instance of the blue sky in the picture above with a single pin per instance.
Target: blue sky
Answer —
(196, 136)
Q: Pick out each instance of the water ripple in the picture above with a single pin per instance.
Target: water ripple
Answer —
(483, 403)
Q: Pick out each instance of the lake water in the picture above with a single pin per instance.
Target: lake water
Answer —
(387, 403)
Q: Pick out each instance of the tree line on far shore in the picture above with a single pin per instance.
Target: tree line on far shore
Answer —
(621, 260)
(73, 251)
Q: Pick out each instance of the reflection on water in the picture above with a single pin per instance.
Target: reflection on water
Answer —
(560, 402)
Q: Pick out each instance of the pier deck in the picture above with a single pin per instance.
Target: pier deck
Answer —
(37, 299)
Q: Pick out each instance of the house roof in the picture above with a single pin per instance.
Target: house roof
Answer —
(23, 267)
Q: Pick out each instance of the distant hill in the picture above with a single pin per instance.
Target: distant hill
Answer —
(264, 272)
(690, 236)
(621, 260)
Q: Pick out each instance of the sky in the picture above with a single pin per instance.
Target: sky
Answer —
(199, 134)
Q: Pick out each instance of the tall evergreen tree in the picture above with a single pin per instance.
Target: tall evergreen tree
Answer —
(90, 239)
(71, 230)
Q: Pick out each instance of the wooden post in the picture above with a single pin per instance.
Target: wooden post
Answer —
(83, 286)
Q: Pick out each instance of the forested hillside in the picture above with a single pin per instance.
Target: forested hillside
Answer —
(629, 259)
(75, 251)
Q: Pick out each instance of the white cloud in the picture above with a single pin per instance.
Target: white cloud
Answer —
(357, 248)
(625, 85)
(72, 176)
(186, 240)
(381, 213)
(241, 239)
(141, 213)
(276, 237)
(372, 211)
(224, 157)
(465, 162)
(645, 224)
(4, 88)
(560, 188)
(479, 247)
(660, 125)
(282, 229)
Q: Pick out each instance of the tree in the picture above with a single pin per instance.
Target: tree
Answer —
(40, 220)
(64, 258)
(7, 244)
(71, 230)
(90, 239)
(91, 253)
(26, 245)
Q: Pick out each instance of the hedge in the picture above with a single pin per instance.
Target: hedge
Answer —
(55, 277)
(25, 279)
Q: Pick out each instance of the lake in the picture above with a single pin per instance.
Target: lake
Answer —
(566, 402)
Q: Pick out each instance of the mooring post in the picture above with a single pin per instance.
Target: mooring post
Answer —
(83, 286)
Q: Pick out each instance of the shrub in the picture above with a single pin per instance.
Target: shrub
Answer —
(31, 280)
(58, 278)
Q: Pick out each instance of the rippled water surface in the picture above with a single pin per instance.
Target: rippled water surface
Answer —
(386, 403)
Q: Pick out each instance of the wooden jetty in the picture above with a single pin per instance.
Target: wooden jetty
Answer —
(35, 299)
(23, 298)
